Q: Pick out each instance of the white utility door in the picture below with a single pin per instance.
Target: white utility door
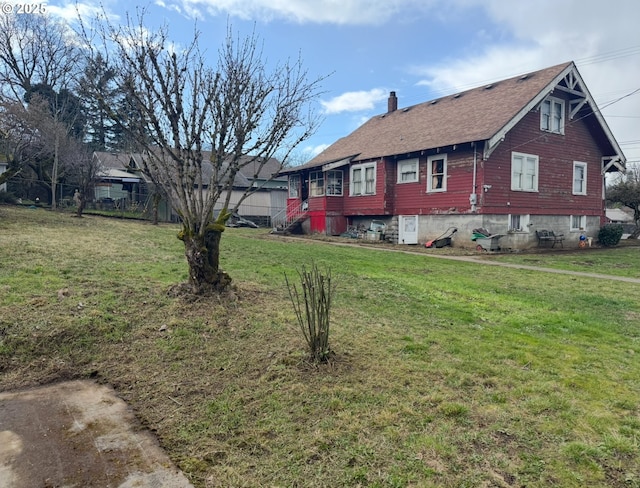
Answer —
(408, 229)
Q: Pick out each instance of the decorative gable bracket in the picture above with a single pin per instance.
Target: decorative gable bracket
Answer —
(571, 84)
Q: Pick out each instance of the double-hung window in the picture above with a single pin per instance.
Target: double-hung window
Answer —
(294, 186)
(363, 179)
(552, 115)
(408, 170)
(579, 178)
(524, 172)
(334, 183)
(437, 173)
(316, 183)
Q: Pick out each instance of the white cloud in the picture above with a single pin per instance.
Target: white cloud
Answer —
(343, 12)
(311, 151)
(594, 34)
(70, 11)
(354, 101)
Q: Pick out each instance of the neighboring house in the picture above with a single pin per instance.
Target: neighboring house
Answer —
(515, 156)
(269, 194)
(623, 217)
(121, 179)
(117, 177)
(619, 216)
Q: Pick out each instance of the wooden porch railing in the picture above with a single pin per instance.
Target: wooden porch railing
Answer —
(285, 219)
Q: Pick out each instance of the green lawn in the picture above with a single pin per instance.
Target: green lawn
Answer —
(446, 373)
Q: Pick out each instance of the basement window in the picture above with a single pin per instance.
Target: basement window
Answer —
(578, 222)
(518, 223)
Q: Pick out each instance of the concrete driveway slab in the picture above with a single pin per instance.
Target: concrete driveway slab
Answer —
(78, 434)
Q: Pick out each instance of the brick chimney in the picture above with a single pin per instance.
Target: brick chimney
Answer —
(392, 105)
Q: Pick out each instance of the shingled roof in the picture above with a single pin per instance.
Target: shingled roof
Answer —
(479, 114)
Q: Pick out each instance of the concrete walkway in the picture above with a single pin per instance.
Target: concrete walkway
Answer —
(76, 435)
(474, 260)
(541, 269)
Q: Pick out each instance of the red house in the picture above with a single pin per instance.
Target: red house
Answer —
(519, 155)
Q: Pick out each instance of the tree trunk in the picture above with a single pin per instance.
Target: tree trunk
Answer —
(54, 171)
(203, 257)
(156, 198)
(81, 204)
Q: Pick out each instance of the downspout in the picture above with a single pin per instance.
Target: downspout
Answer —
(473, 197)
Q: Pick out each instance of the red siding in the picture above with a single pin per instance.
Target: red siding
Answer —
(413, 198)
(369, 204)
(556, 154)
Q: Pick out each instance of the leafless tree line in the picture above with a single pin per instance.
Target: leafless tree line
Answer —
(168, 102)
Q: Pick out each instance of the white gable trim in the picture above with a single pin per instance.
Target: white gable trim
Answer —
(574, 80)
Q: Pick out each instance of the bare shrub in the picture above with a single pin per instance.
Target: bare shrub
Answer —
(312, 305)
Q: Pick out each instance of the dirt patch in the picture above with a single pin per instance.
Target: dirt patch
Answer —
(78, 434)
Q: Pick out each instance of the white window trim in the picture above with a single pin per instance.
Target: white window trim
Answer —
(405, 163)
(577, 164)
(430, 159)
(313, 189)
(328, 184)
(363, 167)
(294, 186)
(524, 223)
(515, 155)
(553, 101)
(581, 227)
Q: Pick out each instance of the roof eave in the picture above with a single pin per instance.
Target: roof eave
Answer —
(497, 138)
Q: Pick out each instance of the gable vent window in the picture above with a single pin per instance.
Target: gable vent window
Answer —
(552, 115)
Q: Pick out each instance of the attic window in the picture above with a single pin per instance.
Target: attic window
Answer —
(552, 115)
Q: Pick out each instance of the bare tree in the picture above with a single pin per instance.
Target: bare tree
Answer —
(627, 192)
(34, 49)
(27, 141)
(242, 112)
(38, 53)
(36, 140)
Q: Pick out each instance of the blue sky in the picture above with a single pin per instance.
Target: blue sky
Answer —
(422, 49)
